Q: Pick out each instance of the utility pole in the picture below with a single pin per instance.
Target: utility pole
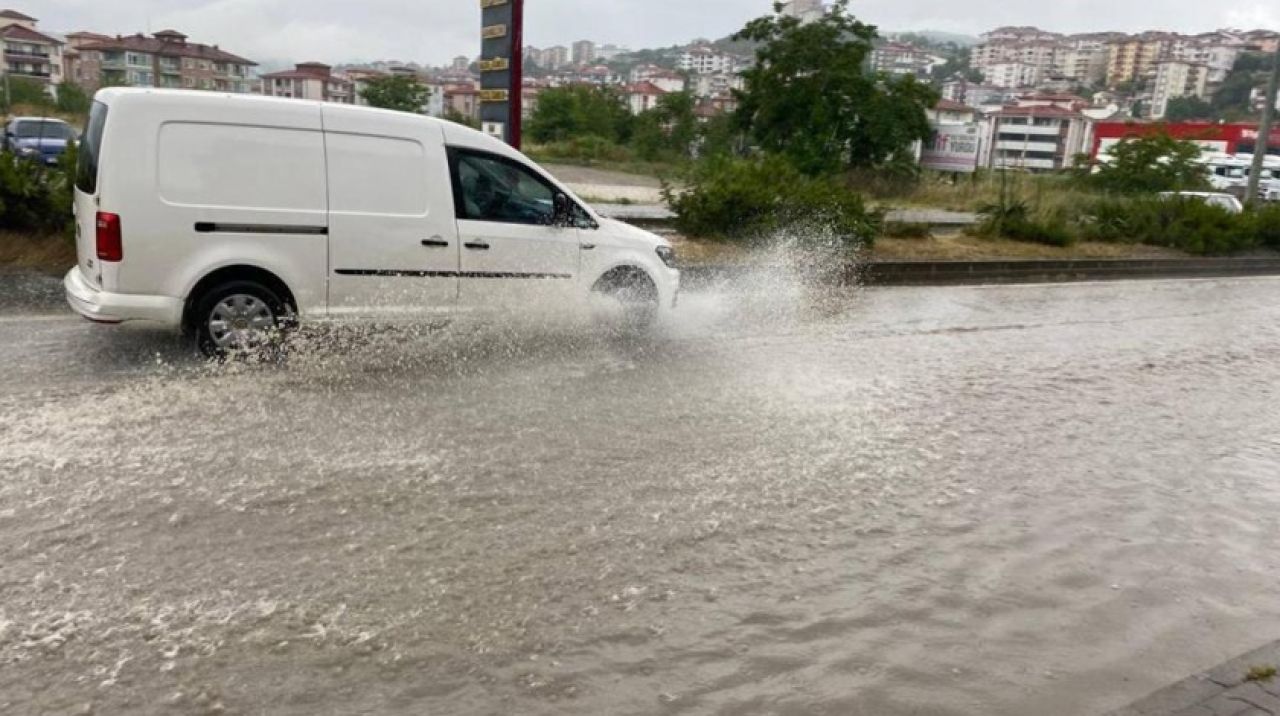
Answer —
(1263, 142)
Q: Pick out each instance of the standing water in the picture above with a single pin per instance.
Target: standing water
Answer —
(999, 500)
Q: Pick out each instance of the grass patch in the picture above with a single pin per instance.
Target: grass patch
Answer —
(1260, 673)
(906, 230)
(48, 253)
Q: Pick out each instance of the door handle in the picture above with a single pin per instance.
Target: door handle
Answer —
(477, 245)
(588, 247)
(434, 242)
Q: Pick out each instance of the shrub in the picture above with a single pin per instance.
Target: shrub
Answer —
(1188, 224)
(1264, 225)
(907, 230)
(1013, 219)
(34, 197)
(586, 148)
(742, 198)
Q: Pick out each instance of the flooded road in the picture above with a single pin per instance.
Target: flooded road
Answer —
(979, 500)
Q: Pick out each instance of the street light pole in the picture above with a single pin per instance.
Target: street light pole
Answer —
(1263, 142)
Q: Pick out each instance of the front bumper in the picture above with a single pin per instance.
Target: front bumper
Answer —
(104, 307)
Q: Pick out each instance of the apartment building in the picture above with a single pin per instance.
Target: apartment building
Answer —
(1022, 33)
(555, 57)
(165, 59)
(462, 100)
(460, 63)
(310, 80)
(717, 85)
(1010, 75)
(1036, 138)
(973, 94)
(896, 58)
(1134, 59)
(584, 52)
(28, 53)
(1176, 78)
(360, 77)
(704, 60)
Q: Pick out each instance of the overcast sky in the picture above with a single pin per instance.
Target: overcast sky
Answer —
(431, 31)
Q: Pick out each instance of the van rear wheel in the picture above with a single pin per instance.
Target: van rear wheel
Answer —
(240, 317)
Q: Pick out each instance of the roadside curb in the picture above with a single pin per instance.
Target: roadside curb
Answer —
(1224, 690)
(932, 273)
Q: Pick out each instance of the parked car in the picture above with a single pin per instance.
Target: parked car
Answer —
(1226, 201)
(38, 138)
(233, 216)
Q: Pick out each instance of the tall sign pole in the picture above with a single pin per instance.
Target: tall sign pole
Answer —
(1263, 142)
(501, 68)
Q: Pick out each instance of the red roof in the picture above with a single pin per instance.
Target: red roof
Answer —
(645, 88)
(18, 32)
(1048, 111)
(152, 45)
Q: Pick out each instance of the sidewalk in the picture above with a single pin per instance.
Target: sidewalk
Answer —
(1225, 690)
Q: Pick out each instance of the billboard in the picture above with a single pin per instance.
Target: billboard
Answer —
(500, 70)
(952, 148)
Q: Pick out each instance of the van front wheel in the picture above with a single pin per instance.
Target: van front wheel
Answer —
(240, 317)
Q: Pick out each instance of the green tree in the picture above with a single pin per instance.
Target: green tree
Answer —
(457, 117)
(72, 99)
(399, 92)
(22, 91)
(1181, 109)
(1231, 99)
(1151, 164)
(808, 97)
(719, 137)
(579, 111)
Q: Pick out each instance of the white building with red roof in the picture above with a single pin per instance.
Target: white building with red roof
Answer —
(642, 96)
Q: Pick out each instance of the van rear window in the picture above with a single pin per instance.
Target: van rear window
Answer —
(89, 149)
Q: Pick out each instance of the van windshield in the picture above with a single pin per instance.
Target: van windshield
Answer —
(90, 147)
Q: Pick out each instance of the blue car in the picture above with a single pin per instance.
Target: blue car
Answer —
(38, 138)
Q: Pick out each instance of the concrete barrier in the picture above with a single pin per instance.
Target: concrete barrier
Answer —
(907, 273)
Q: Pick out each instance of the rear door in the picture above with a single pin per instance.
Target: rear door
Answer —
(393, 244)
(86, 200)
(512, 254)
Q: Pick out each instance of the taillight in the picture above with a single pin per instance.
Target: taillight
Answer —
(110, 248)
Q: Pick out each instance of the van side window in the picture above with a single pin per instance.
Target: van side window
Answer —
(487, 187)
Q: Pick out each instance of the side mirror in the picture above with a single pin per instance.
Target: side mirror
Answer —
(563, 211)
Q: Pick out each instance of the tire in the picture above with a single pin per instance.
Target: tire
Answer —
(636, 295)
(240, 317)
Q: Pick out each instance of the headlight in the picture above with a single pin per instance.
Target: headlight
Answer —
(668, 256)
(28, 152)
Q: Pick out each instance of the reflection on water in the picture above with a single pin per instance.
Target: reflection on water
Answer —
(1041, 499)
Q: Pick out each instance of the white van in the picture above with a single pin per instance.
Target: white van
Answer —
(232, 215)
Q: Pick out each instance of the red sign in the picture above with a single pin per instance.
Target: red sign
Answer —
(1233, 138)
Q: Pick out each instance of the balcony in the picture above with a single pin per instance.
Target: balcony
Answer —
(113, 64)
(1018, 145)
(38, 74)
(28, 55)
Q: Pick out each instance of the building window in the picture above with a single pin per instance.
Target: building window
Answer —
(137, 58)
(189, 82)
(188, 63)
